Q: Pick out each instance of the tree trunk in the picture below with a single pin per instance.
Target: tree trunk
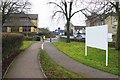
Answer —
(118, 32)
(118, 26)
(68, 31)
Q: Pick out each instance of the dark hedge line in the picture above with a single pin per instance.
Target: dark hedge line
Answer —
(73, 40)
(11, 43)
(28, 38)
(110, 44)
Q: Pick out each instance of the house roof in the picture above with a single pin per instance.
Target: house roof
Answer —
(16, 19)
(23, 15)
(95, 16)
(19, 23)
(98, 19)
(33, 16)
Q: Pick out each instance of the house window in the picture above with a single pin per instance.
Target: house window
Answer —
(8, 29)
(26, 29)
(29, 30)
(114, 27)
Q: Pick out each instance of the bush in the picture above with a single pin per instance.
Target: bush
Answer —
(47, 34)
(111, 44)
(11, 43)
(29, 38)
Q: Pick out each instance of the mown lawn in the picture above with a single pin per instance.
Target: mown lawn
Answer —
(26, 44)
(52, 70)
(95, 58)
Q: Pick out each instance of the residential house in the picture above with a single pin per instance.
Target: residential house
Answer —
(111, 21)
(94, 20)
(107, 19)
(76, 29)
(79, 29)
(21, 22)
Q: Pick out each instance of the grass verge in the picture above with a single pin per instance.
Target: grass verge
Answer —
(95, 58)
(26, 44)
(52, 70)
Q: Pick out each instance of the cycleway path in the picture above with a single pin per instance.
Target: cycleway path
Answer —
(70, 64)
(26, 65)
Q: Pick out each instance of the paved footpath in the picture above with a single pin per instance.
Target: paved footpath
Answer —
(26, 65)
(70, 64)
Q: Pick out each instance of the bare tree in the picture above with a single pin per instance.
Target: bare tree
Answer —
(13, 6)
(65, 8)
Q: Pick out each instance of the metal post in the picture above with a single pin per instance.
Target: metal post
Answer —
(107, 57)
(85, 50)
(107, 48)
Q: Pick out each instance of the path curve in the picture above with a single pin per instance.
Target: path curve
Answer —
(26, 65)
(70, 64)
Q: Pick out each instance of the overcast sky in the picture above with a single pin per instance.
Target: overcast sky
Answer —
(44, 11)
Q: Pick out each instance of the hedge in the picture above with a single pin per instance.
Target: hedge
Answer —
(11, 43)
(29, 38)
(73, 40)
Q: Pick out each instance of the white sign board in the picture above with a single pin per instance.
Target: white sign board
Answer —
(97, 37)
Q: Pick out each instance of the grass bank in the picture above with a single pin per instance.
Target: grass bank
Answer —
(52, 70)
(26, 44)
(95, 58)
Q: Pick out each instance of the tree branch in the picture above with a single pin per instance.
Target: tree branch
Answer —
(77, 12)
(70, 10)
(58, 6)
(12, 6)
(112, 4)
(56, 13)
(66, 13)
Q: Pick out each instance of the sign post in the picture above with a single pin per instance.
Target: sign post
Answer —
(97, 37)
(85, 50)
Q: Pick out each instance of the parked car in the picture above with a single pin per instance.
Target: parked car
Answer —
(83, 36)
(80, 36)
(36, 38)
(75, 35)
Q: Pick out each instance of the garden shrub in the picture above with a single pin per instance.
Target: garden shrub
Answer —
(111, 44)
(11, 43)
(29, 38)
